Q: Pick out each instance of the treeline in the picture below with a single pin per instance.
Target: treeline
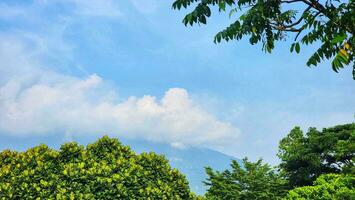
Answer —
(314, 165)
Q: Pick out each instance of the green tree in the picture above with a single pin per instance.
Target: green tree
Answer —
(331, 24)
(305, 157)
(326, 187)
(250, 181)
(103, 170)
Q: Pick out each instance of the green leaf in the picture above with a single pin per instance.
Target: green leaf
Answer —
(335, 64)
(297, 47)
(339, 38)
(232, 12)
(222, 6)
(292, 47)
(217, 38)
(202, 19)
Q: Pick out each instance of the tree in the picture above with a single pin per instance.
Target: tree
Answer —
(250, 181)
(330, 23)
(326, 187)
(103, 170)
(305, 157)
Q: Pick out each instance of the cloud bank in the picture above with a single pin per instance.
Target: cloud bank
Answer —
(35, 100)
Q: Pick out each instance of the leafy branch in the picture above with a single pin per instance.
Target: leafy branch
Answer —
(331, 24)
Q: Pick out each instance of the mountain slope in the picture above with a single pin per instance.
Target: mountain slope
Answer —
(190, 161)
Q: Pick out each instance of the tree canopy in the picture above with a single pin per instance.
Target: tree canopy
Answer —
(103, 170)
(326, 187)
(305, 157)
(329, 24)
(249, 181)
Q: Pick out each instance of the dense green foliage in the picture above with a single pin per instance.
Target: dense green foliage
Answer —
(326, 187)
(250, 181)
(331, 24)
(317, 165)
(103, 170)
(306, 157)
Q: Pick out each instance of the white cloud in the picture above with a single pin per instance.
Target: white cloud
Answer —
(72, 105)
(34, 100)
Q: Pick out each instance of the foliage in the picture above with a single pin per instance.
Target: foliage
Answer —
(323, 158)
(103, 170)
(306, 157)
(250, 181)
(329, 23)
(326, 187)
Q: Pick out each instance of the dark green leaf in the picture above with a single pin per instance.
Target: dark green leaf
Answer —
(297, 47)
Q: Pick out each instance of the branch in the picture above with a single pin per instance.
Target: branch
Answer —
(289, 27)
(291, 1)
(282, 28)
(299, 20)
(316, 5)
(303, 27)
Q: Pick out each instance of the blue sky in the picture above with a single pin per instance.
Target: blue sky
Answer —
(77, 68)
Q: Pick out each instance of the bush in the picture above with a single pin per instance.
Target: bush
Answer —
(103, 170)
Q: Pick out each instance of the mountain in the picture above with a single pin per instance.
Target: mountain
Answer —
(191, 161)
